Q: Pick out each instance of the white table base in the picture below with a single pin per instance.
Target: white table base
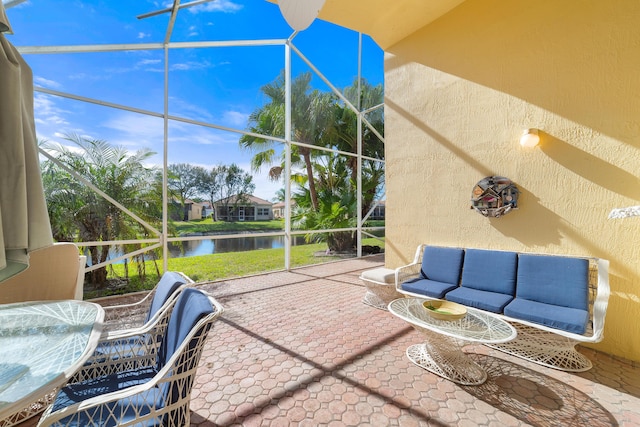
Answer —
(443, 356)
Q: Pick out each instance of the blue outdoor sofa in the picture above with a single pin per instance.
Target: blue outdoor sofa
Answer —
(554, 302)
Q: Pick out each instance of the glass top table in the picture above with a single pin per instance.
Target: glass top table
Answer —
(41, 345)
(442, 352)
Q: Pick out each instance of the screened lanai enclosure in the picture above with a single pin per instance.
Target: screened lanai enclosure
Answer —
(144, 109)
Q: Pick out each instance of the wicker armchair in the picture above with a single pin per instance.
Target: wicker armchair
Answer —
(124, 317)
(149, 388)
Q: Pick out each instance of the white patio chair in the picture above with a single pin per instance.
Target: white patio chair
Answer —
(152, 388)
(121, 318)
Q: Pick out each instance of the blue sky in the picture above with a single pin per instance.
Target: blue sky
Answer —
(213, 85)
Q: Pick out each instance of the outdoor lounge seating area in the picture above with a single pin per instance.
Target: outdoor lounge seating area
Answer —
(554, 301)
(299, 348)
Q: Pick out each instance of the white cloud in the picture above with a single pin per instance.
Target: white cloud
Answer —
(149, 65)
(191, 65)
(230, 118)
(265, 188)
(149, 61)
(187, 143)
(142, 35)
(183, 133)
(47, 112)
(235, 118)
(46, 82)
(185, 109)
(60, 139)
(92, 77)
(136, 131)
(225, 6)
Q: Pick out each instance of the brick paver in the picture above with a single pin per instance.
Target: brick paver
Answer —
(300, 348)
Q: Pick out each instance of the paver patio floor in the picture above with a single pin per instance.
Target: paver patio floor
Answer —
(300, 348)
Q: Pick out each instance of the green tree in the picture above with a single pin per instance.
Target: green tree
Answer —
(311, 119)
(336, 204)
(77, 213)
(183, 183)
(325, 192)
(235, 187)
(211, 186)
(346, 137)
(280, 195)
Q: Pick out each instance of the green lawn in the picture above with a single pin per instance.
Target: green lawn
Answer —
(221, 266)
(209, 226)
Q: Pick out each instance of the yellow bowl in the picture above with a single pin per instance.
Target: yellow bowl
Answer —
(444, 310)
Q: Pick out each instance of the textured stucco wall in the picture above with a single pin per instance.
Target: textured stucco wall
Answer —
(460, 91)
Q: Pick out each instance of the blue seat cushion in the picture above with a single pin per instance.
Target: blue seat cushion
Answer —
(492, 271)
(128, 408)
(564, 318)
(168, 284)
(430, 288)
(560, 281)
(442, 264)
(483, 300)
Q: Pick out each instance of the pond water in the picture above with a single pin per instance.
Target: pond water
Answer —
(240, 244)
(211, 246)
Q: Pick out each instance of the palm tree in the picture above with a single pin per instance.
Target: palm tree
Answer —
(311, 121)
(326, 191)
(337, 204)
(77, 213)
(345, 137)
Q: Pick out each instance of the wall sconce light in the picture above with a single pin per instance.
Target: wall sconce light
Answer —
(529, 138)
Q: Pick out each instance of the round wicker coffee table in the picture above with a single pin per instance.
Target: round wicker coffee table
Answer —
(442, 353)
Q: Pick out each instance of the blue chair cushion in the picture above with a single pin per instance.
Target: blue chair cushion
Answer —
(564, 318)
(192, 305)
(128, 408)
(442, 264)
(560, 281)
(492, 271)
(483, 300)
(168, 284)
(430, 288)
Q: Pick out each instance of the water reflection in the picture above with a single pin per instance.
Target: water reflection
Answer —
(241, 244)
(210, 246)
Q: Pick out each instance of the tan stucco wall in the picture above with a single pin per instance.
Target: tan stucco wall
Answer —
(460, 91)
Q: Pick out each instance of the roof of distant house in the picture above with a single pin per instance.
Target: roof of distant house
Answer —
(253, 200)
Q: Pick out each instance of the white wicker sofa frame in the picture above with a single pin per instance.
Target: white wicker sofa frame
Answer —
(536, 342)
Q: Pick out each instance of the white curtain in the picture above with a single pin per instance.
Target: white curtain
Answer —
(24, 221)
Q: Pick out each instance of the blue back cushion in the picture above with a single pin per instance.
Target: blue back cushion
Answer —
(168, 284)
(493, 271)
(555, 280)
(442, 264)
(192, 305)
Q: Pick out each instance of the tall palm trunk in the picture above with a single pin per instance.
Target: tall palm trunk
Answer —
(306, 155)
